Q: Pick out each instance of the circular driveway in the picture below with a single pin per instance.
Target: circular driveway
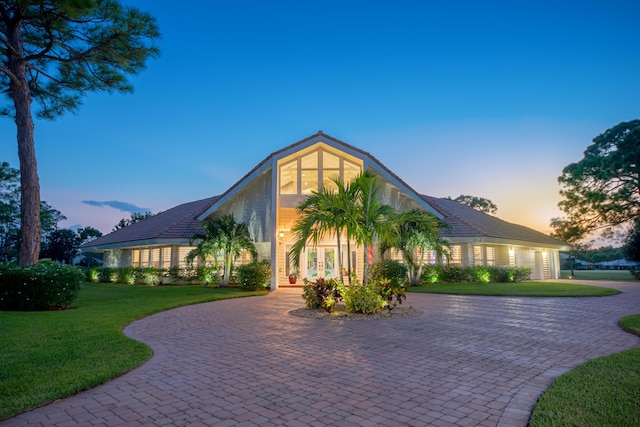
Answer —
(468, 360)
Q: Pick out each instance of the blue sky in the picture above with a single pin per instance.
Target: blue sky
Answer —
(487, 98)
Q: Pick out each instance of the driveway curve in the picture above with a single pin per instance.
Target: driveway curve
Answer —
(467, 361)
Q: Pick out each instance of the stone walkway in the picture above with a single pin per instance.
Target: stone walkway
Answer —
(468, 361)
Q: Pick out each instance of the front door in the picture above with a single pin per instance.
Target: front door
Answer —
(321, 263)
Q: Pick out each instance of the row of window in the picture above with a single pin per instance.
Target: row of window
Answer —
(161, 257)
(307, 173)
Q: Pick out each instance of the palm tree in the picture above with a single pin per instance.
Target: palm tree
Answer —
(416, 232)
(224, 235)
(319, 215)
(370, 218)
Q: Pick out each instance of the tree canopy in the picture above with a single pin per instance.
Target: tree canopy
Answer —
(135, 217)
(478, 203)
(603, 189)
(54, 52)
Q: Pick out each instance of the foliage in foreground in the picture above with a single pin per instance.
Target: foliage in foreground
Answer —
(49, 355)
(41, 287)
(601, 392)
(255, 275)
(366, 299)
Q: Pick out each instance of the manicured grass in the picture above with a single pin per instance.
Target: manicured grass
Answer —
(613, 275)
(49, 355)
(522, 289)
(601, 392)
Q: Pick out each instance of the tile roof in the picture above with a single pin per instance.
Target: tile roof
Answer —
(182, 222)
(468, 222)
(179, 222)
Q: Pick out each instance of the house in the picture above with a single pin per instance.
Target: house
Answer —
(266, 199)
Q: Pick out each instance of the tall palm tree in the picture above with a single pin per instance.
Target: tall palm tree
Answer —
(226, 235)
(370, 219)
(416, 232)
(319, 215)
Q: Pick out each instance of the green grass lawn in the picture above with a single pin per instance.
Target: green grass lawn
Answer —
(601, 392)
(48, 355)
(522, 289)
(614, 275)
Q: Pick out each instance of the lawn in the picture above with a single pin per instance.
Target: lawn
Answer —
(614, 275)
(601, 392)
(522, 289)
(50, 355)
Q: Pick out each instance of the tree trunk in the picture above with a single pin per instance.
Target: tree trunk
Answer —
(29, 181)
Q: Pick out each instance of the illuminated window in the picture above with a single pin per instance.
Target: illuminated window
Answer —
(135, 258)
(155, 258)
(183, 253)
(309, 178)
(305, 174)
(144, 258)
(456, 255)
(165, 257)
(350, 171)
(289, 178)
(330, 170)
(491, 255)
(477, 256)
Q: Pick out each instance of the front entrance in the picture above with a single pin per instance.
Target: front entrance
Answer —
(321, 263)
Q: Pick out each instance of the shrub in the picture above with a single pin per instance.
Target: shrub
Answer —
(147, 276)
(521, 273)
(431, 274)
(41, 287)
(322, 293)
(636, 273)
(92, 275)
(456, 274)
(501, 274)
(393, 295)
(361, 299)
(389, 270)
(479, 274)
(255, 275)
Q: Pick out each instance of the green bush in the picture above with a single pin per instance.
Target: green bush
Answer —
(636, 273)
(389, 270)
(361, 299)
(455, 274)
(42, 287)
(322, 293)
(392, 294)
(255, 275)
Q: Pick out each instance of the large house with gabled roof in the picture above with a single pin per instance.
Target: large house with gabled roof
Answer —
(266, 199)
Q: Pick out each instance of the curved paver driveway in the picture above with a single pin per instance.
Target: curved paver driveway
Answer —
(466, 361)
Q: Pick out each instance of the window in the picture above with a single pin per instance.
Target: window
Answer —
(144, 258)
(478, 258)
(289, 178)
(135, 258)
(350, 171)
(304, 175)
(491, 255)
(183, 253)
(309, 165)
(330, 170)
(456, 255)
(165, 257)
(155, 258)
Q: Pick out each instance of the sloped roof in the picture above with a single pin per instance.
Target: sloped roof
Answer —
(180, 222)
(183, 221)
(315, 138)
(465, 221)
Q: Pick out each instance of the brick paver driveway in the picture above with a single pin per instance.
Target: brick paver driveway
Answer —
(466, 361)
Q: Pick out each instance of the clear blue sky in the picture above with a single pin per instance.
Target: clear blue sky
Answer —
(488, 98)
